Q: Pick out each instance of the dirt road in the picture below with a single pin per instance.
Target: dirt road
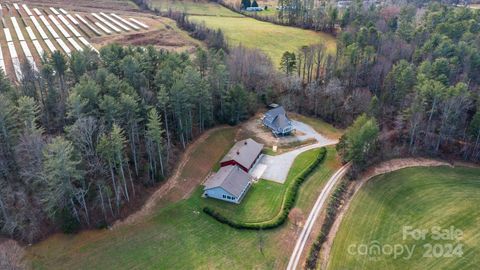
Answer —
(173, 181)
(312, 217)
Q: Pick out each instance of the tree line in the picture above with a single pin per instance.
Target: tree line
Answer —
(213, 38)
(83, 138)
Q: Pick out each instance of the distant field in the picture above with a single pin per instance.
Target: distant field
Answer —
(195, 7)
(272, 39)
(179, 235)
(117, 5)
(162, 32)
(418, 197)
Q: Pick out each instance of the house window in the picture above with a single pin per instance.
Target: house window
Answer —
(224, 196)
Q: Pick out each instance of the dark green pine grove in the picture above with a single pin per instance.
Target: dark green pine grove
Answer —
(85, 136)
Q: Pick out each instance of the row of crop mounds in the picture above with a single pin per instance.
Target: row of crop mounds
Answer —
(64, 32)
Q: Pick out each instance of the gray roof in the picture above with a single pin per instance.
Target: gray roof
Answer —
(279, 118)
(276, 111)
(244, 152)
(281, 121)
(230, 178)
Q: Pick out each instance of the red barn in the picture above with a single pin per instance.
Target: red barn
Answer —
(244, 154)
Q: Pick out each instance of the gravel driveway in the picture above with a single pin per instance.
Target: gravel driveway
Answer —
(275, 168)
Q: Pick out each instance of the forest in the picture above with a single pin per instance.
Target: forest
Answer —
(325, 15)
(414, 70)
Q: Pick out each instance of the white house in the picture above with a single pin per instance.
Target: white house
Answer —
(229, 184)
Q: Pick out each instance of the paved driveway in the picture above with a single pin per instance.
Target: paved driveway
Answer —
(275, 168)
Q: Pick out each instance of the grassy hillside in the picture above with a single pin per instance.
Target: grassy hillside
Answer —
(179, 235)
(272, 39)
(417, 197)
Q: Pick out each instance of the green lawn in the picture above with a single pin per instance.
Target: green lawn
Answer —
(261, 203)
(264, 199)
(417, 197)
(179, 235)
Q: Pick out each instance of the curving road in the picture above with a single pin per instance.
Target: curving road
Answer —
(312, 217)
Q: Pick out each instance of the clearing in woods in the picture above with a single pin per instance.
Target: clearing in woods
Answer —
(421, 198)
(180, 227)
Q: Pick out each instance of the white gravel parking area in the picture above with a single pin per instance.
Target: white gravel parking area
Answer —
(275, 168)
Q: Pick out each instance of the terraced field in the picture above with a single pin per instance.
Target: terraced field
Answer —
(31, 30)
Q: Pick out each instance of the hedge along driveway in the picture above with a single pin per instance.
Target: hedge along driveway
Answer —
(297, 176)
(264, 200)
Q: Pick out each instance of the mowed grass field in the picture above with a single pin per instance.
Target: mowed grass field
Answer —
(179, 235)
(421, 198)
(272, 39)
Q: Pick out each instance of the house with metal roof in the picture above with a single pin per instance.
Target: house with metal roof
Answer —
(232, 181)
(277, 120)
(244, 154)
(230, 184)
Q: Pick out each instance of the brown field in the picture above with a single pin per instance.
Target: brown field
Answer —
(163, 32)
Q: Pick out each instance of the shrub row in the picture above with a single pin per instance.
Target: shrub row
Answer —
(332, 209)
(288, 202)
(214, 39)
